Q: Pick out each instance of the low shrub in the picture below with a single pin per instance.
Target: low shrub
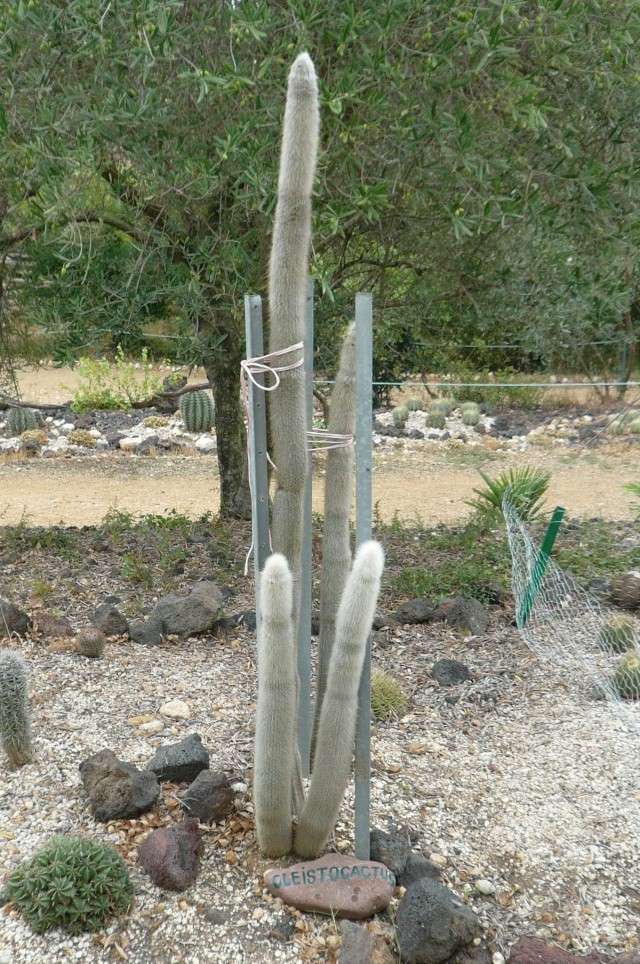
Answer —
(116, 384)
(524, 487)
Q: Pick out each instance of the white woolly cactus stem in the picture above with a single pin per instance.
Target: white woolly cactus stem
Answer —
(334, 747)
(15, 724)
(336, 551)
(276, 712)
(287, 289)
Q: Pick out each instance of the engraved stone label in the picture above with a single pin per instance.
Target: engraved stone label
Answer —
(334, 884)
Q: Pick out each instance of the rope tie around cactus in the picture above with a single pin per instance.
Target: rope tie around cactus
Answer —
(320, 440)
(250, 369)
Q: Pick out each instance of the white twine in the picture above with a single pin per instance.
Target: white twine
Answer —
(320, 440)
(250, 368)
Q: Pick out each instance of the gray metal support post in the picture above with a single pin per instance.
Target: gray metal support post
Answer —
(258, 472)
(363, 451)
(306, 577)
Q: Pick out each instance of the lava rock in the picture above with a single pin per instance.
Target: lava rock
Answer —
(246, 619)
(171, 855)
(147, 444)
(416, 868)
(210, 797)
(149, 633)
(180, 762)
(191, 615)
(415, 611)
(361, 946)
(12, 619)
(52, 627)
(468, 615)
(117, 790)
(533, 950)
(110, 620)
(334, 884)
(432, 923)
(625, 590)
(450, 672)
(392, 849)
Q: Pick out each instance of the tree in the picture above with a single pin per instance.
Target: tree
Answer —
(470, 150)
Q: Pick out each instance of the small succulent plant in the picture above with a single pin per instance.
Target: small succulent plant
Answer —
(196, 409)
(73, 883)
(91, 642)
(15, 721)
(442, 406)
(22, 420)
(617, 634)
(436, 420)
(82, 437)
(626, 678)
(414, 405)
(388, 700)
(400, 416)
(470, 417)
(155, 421)
(34, 436)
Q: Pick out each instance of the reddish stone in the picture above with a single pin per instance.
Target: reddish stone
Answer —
(334, 884)
(171, 855)
(532, 950)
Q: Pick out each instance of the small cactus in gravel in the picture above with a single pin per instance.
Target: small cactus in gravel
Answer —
(22, 420)
(634, 426)
(388, 701)
(15, 723)
(414, 405)
(626, 679)
(617, 634)
(34, 437)
(81, 437)
(470, 418)
(196, 409)
(470, 407)
(91, 643)
(436, 420)
(155, 421)
(442, 406)
(617, 425)
(400, 416)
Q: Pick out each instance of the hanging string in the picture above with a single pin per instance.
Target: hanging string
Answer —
(250, 370)
(320, 440)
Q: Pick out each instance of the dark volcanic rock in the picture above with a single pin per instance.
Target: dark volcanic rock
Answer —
(180, 762)
(171, 855)
(468, 615)
(110, 620)
(52, 626)
(415, 611)
(148, 633)
(116, 789)
(12, 619)
(395, 851)
(210, 797)
(199, 612)
(450, 672)
(432, 923)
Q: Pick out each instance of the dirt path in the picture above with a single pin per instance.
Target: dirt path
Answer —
(433, 486)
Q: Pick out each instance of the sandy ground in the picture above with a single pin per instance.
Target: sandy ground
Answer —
(431, 484)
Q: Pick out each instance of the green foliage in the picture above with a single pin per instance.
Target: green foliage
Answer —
(400, 414)
(626, 678)
(22, 420)
(470, 417)
(388, 701)
(155, 421)
(196, 409)
(634, 488)
(525, 488)
(442, 406)
(72, 883)
(136, 569)
(415, 404)
(505, 396)
(617, 634)
(115, 384)
(15, 722)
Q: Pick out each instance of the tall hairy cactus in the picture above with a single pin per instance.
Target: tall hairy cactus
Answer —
(336, 733)
(348, 598)
(276, 713)
(336, 555)
(288, 269)
(15, 723)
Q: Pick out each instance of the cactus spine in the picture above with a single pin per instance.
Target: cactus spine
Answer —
(276, 713)
(336, 552)
(336, 732)
(15, 723)
(196, 409)
(22, 420)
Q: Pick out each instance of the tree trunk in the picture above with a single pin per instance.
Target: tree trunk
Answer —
(223, 371)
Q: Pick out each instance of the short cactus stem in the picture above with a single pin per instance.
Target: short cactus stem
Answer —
(400, 416)
(15, 723)
(22, 420)
(196, 410)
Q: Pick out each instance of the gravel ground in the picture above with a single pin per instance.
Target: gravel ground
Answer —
(516, 782)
